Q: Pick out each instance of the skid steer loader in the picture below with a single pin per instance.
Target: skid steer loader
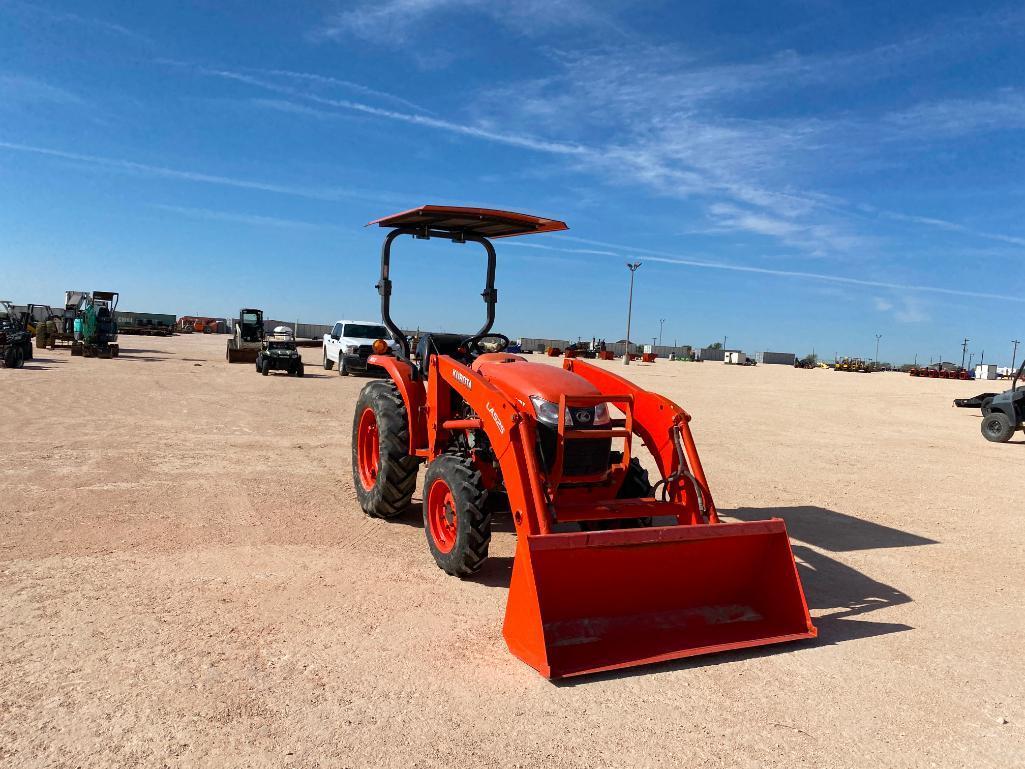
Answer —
(596, 585)
(247, 342)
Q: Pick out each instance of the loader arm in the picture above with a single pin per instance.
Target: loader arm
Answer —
(665, 429)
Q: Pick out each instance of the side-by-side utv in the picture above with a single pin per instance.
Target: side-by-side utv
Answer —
(15, 340)
(610, 570)
(278, 352)
(1004, 413)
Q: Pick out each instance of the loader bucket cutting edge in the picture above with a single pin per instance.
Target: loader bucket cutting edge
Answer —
(588, 602)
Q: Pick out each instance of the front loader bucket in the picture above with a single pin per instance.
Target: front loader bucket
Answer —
(593, 601)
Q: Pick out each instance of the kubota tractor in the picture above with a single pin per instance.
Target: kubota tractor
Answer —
(610, 571)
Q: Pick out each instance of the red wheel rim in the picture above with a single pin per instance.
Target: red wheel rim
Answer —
(441, 516)
(368, 449)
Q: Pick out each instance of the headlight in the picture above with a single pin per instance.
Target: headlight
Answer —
(601, 414)
(351, 349)
(548, 412)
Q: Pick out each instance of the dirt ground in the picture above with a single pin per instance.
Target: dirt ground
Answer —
(186, 580)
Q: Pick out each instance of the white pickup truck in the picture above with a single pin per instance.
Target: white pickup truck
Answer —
(349, 344)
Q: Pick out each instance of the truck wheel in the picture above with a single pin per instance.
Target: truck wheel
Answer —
(457, 524)
(342, 371)
(328, 363)
(265, 367)
(300, 370)
(383, 472)
(997, 427)
(27, 353)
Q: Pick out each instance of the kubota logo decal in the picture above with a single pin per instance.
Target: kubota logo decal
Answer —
(460, 377)
(494, 415)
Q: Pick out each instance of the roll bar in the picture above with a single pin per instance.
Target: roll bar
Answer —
(490, 293)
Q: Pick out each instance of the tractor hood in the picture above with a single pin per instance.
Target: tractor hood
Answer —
(519, 379)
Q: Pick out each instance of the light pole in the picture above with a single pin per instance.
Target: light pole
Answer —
(629, 310)
(878, 337)
(1014, 355)
(661, 321)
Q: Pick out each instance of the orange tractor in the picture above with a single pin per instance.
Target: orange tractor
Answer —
(610, 571)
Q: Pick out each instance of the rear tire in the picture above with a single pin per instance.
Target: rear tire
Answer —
(997, 427)
(456, 521)
(383, 472)
(14, 357)
(28, 350)
(301, 370)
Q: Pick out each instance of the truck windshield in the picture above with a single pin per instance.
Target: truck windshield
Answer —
(365, 331)
(250, 318)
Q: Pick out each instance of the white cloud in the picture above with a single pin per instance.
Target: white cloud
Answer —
(145, 169)
(712, 264)
(19, 89)
(391, 22)
(238, 218)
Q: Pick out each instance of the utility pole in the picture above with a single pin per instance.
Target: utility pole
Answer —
(724, 342)
(629, 310)
(970, 356)
(661, 322)
(878, 337)
(1014, 355)
(964, 350)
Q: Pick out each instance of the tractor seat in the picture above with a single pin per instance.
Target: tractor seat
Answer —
(438, 344)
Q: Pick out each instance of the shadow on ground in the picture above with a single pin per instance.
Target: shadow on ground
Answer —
(830, 530)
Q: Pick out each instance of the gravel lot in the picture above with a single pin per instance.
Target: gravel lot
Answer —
(186, 580)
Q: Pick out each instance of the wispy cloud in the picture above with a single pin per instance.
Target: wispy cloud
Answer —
(239, 218)
(711, 264)
(19, 89)
(393, 21)
(348, 85)
(1003, 110)
(101, 26)
(523, 141)
(130, 166)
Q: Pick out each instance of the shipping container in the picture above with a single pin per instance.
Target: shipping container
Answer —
(777, 358)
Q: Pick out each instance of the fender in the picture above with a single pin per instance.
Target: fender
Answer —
(413, 396)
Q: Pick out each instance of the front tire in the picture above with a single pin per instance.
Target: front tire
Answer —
(456, 521)
(265, 367)
(383, 472)
(997, 427)
(342, 370)
(328, 363)
(636, 485)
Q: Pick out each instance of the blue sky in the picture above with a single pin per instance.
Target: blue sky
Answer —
(793, 175)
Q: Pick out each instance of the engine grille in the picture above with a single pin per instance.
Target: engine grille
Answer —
(584, 456)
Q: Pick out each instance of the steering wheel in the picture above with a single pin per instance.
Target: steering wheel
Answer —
(501, 339)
